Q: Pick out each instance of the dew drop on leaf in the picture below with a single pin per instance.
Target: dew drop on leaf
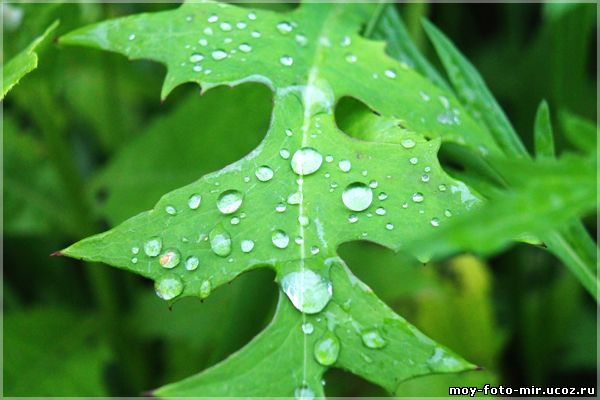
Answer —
(345, 165)
(308, 328)
(413, 160)
(327, 349)
(235, 220)
(306, 161)
(194, 201)
(435, 222)
(229, 201)
(220, 241)
(418, 197)
(408, 143)
(390, 73)
(205, 289)
(304, 393)
(196, 57)
(218, 55)
(284, 153)
(294, 198)
(286, 60)
(247, 246)
(280, 239)
(284, 27)
(357, 196)
(352, 218)
(308, 291)
(382, 196)
(170, 259)
(380, 211)
(170, 210)
(153, 246)
(135, 250)
(168, 287)
(192, 263)
(373, 339)
(245, 48)
(280, 207)
(389, 226)
(442, 187)
(425, 178)
(351, 58)
(264, 173)
(448, 213)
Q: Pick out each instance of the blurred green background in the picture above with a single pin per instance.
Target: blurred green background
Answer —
(87, 143)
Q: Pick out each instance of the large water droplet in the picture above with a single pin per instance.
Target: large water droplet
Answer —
(220, 241)
(357, 196)
(170, 259)
(308, 291)
(192, 263)
(264, 173)
(194, 201)
(218, 55)
(229, 201)
(280, 239)
(153, 246)
(327, 349)
(225, 26)
(345, 165)
(306, 161)
(247, 246)
(196, 57)
(373, 339)
(168, 287)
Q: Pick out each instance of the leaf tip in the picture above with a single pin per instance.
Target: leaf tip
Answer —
(58, 253)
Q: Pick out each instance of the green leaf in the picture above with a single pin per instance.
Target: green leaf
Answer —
(306, 189)
(544, 138)
(580, 132)
(474, 94)
(23, 63)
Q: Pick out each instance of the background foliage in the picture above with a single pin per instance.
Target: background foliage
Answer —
(83, 139)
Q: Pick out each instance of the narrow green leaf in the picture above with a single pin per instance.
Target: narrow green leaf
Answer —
(543, 135)
(580, 132)
(23, 63)
(474, 94)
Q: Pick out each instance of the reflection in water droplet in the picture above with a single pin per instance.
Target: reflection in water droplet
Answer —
(306, 161)
(264, 173)
(418, 197)
(357, 196)
(168, 287)
(170, 259)
(280, 239)
(230, 201)
(373, 339)
(247, 246)
(192, 263)
(153, 246)
(308, 291)
(327, 349)
(194, 201)
(220, 241)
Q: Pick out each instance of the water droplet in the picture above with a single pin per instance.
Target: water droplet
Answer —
(135, 250)
(382, 196)
(225, 26)
(241, 25)
(448, 213)
(280, 239)
(170, 210)
(208, 31)
(442, 187)
(205, 289)
(390, 73)
(308, 291)
(264, 173)
(194, 201)
(294, 198)
(424, 96)
(435, 222)
(168, 287)
(170, 259)
(245, 47)
(196, 57)
(303, 220)
(192, 263)
(373, 339)
(153, 246)
(418, 197)
(306, 161)
(413, 160)
(380, 211)
(327, 349)
(425, 178)
(314, 250)
(134, 260)
(213, 18)
(373, 184)
(255, 34)
(286, 60)
(301, 39)
(346, 41)
(219, 54)
(427, 169)
(252, 16)
(308, 328)
(203, 42)
(280, 207)
(351, 58)
(389, 226)
(352, 218)
(357, 196)
(131, 37)
(284, 27)
(284, 153)
(299, 240)
(247, 246)
(288, 132)
(229, 201)
(345, 165)
(220, 241)
(329, 158)
(408, 143)
(235, 221)
(304, 393)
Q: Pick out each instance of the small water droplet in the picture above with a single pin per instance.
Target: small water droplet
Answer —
(255, 34)
(448, 213)
(373, 184)
(196, 57)
(192, 263)
(241, 25)
(245, 47)
(306, 161)
(220, 241)
(294, 198)
(357, 196)
(345, 165)
(252, 16)
(424, 96)
(168, 287)
(413, 160)
(264, 173)
(346, 41)
(435, 222)
(327, 349)
(442, 187)
(247, 246)
(280, 239)
(286, 60)
(299, 240)
(134, 260)
(131, 36)
(427, 169)
(380, 211)
(408, 143)
(301, 39)
(418, 197)
(194, 201)
(308, 291)
(135, 250)
(219, 54)
(284, 27)
(303, 220)
(329, 158)
(235, 220)
(230, 201)
(153, 246)
(170, 259)
(315, 250)
(280, 207)
(170, 210)
(288, 132)
(390, 73)
(373, 339)
(225, 26)
(351, 58)
(389, 226)
(352, 218)
(205, 289)
(425, 178)
(212, 18)
(382, 196)
(304, 393)
(284, 153)
(308, 328)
